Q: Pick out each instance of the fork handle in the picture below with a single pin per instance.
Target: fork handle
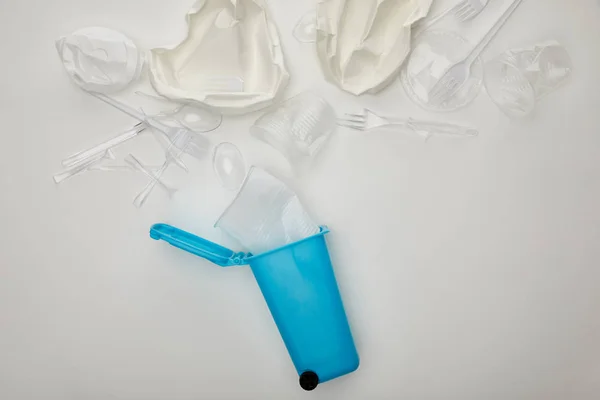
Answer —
(441, 128)
(492, 32)
(432, 128)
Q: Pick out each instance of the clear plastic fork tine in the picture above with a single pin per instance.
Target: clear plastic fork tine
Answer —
(355, 126)
(350, 124)
(353, 121)
(451, 86)
(355, 117)
(440, 89)
(461, 7)
(466, 13)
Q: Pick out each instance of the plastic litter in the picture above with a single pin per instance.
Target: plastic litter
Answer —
(298, 128)
(83, 166)
(137, 165)
(517, 79)
(434, 53)
(463, 11)
(229, 166)
(231, 45)
(305, 30)
(459, 72)
(299, 286)
(266, 214)
(100, 59)
(363, 43)
(368, 120)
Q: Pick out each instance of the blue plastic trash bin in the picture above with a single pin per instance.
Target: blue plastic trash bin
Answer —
(299, 286)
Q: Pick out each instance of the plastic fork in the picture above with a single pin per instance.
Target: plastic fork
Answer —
(197, 147)
(367, 120)
(469, 9)
(464, 11)
(456, 76)
(157, 122)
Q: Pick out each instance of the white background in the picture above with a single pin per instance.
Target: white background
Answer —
(469, 268)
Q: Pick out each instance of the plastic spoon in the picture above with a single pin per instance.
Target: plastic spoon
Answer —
(194, 117)
(229, 166)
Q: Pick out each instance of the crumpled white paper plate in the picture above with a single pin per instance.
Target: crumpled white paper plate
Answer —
(231, 59)
(362, 43)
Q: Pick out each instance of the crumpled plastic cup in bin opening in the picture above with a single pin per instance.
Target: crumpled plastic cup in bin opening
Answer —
(266, 214)
(299, 286)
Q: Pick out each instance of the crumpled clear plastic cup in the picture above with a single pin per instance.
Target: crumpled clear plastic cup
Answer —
(517, 79)
(266, 214)
(434, 52)
(298, 128)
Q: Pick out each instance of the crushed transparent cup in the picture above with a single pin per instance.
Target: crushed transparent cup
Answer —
(298, 128)
(517, 79)
(266, 214)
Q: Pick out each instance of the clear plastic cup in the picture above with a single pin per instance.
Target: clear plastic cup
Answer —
(298, 128)
(517, 79)
(266, 214)
(434, 52)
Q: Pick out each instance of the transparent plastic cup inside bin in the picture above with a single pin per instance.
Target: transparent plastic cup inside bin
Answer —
(266, 214)
(299, 286)
(298, 128)
(517, 79)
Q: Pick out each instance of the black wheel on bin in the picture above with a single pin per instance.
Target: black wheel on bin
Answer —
(309, 380)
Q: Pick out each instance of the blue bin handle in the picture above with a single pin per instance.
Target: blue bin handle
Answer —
(198, 246)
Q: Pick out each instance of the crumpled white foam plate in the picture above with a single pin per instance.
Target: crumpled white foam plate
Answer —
(231, 58)
(362, 43)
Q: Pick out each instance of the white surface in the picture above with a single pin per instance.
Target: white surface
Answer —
(469, 268)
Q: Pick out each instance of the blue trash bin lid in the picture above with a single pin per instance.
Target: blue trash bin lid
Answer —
(211, 251)
(196, 245)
